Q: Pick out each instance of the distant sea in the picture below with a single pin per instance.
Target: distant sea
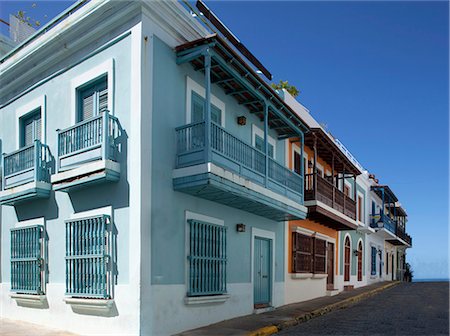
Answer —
(431, 280)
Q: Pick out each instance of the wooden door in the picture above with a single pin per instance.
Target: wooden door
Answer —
(347, 260)
(330, 266)
(360, 256)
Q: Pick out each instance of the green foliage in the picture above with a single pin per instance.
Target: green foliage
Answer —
(22, 17)
(409, 273)
(285, 85)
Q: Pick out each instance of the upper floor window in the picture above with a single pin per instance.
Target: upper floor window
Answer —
(360, 208)
(297, 162)
(30, 128)
(198, 110)
(93, 99)
(259, 144)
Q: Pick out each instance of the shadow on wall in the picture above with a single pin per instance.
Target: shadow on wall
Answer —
(38, 208)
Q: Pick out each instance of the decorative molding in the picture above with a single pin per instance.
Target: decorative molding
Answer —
(301, 275)
(206, 299)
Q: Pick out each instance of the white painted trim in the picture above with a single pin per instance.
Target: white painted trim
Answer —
(319, 276)
(271, 236)
(325, 237)
(206, 299)
(303, 231)
(301, 275)
(30, 222)
(363, 215)
(105, 68)
(94, 212)
(258, 131)
(295, 148)
(192, 85)
(204, 218)
(37, 103)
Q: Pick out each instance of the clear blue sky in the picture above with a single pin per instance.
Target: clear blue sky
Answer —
(377, 74)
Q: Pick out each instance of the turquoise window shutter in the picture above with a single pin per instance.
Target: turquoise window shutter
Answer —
(93, 99)
(26, 260)
(88, 252)
(207, 259)
(198, 108)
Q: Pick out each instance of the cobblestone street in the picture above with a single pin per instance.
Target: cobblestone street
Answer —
(420, 308)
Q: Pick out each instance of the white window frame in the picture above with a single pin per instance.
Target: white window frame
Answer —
(28, 108)
(259, 132)
(192, 85)
(296, 149)
(358, 194)
(103, 69)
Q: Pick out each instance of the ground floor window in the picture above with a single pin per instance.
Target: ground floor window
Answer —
(27, 263)
(373, 270)
(360, 260)
(88, 257)
(308, 254)
(207, 259)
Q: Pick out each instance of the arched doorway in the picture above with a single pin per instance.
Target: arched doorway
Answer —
(347, 259)
(360, 257)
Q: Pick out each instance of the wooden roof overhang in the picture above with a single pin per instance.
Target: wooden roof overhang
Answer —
(328, 218)
(389, 198)
(400, 211)
(240, 80)
(327, 149)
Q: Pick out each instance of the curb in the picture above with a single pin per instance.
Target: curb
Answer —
(273, 329)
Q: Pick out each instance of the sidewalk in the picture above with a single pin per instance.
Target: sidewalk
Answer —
(19, 328)
(289, 315)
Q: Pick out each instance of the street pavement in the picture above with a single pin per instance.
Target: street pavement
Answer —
(420, 308)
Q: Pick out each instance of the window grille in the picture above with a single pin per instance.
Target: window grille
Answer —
(26, 260)
(207, 259)
(88, 252)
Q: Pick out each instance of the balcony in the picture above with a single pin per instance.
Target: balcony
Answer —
(325, 201)
(87, 153)
(237, 174)
(390, 230)
(26, 174)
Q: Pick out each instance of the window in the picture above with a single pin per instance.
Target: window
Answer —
(198, 110)
(259, 144)
(26, 260)
(297, 162)
(207, 259)
(30, 128)
(360, 208)
(309, 254)
(347, 252)
(373, 270)
(88, 253)
(93, 99)
(387, 263)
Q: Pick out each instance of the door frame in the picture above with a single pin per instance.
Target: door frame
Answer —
(270, 235)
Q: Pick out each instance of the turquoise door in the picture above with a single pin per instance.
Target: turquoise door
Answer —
(262, 278)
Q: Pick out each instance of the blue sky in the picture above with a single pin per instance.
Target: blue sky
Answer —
(376, 73)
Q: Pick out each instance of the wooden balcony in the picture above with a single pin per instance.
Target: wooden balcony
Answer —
(26, 174)
(246, 163)
(87, 153)
(339, 211)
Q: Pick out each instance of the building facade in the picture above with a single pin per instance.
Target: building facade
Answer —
(153, 182)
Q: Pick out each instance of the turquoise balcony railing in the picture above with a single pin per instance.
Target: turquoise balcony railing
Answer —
(28, 164)
(382, 221)
(231, 152)
(86, 141)
(26, 260)
(88, 252)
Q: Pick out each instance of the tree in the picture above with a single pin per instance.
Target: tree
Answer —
(408, 272)
(285, 85)
(21, 16)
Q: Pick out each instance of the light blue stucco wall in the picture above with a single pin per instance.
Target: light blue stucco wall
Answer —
(61, 206)
(168, 206)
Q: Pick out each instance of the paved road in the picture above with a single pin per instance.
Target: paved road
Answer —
(420, 308)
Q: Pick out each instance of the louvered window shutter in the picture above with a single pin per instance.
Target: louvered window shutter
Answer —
(198, 105)
(103, 100)
(37, 128)
(87, 106)
(259, 143)
(319, 255)
(302, 253)
(216, 115)
(31, 128)
(28, 132)
(297, 162)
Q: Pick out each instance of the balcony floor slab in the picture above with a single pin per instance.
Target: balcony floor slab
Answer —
(216, 184)
(25, 192)
(86, 175)
(330, 217)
